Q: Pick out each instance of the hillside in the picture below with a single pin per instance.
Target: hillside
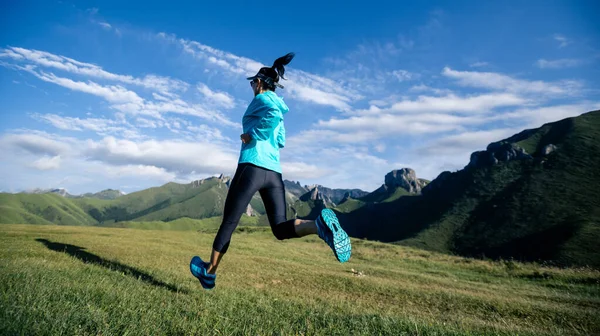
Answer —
(295, 188)
(532, 196)
(397, 183)
(108, 194)
(197, 200)
(98, 281)
(47, 208)
(200, 199)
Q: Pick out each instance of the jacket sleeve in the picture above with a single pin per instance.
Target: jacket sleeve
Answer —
(281, 136)
(266, 125)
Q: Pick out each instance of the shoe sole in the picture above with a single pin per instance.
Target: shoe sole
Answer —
(195, 262)
(341, 241)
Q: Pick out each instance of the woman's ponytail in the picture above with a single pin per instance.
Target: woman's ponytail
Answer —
(279, 64)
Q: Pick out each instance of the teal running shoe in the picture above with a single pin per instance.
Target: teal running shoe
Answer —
(199, 269)
(329, 229)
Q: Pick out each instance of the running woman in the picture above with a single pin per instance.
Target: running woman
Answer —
(259, 170)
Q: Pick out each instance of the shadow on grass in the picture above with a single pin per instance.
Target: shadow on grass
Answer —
(87, 257)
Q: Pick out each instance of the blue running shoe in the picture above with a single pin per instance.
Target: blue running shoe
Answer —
(329, 229)
(199, 269)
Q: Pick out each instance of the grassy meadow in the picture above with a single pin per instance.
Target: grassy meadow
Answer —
(123, 281)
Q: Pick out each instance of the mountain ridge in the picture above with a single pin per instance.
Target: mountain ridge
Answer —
(529, 197)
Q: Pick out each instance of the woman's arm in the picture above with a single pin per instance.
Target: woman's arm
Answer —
(266, 125)
(281, 136)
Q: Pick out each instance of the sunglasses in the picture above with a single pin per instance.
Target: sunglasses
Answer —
(253, 81)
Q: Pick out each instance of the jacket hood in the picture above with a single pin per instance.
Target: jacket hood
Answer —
(271, 98)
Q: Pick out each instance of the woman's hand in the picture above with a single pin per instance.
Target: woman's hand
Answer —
(245, 138)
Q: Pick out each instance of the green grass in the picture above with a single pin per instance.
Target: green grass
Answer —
(531, 139)
(137, 282)
(184, 224)
(350, 205)
(307, 209)
(387, 196)
(399, 192)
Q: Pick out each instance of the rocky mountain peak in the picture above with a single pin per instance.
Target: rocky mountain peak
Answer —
(315, 194)
(549, 149)
(60, 191)
(221, 178)
(197, 183)
(497, 152)
(405, 178)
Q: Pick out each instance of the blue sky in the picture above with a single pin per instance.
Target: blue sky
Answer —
(100, 95)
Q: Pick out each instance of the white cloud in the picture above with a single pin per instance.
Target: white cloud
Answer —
(46, 59)
(175, 156)
(558, 64)
(536, 117)
(480, 104)
(320, 97)
(466, 142)
(223, 59)
(105, 25)
(301, 85)
(121, 98)
(156, 96)
(112, 93)
(36, 142)
(127, 101)
(209, 134)
(147, 123)
(222, 99)
(47, 163)
(101, 126)
(361, 129)
(177, 105)
(137, 171)
(563, 41)
(425, 88)
(479, 64)
(495, 81)
(74, 124)
(403, 75)
(380, 148)
(401, 124)
(301, 170)
(345, 166)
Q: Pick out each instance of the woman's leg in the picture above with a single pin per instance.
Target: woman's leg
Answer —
(326, 225)
(245, 183)
(305, 227)
(273, 196)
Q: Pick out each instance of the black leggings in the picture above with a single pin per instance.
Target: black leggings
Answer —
(249, 179)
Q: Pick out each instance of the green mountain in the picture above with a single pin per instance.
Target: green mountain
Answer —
(197, 200)
(310, 204)
(533, 196)
(398, 183)
(48, 208)
(57, 191)
(107, 194)
(200, 199)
